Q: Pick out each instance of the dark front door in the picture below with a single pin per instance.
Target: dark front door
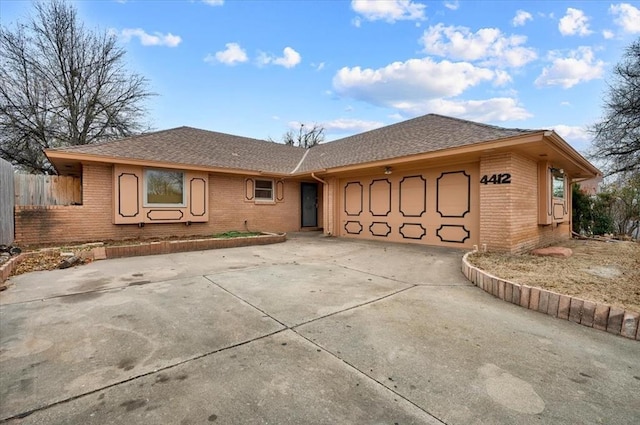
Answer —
(309, 204)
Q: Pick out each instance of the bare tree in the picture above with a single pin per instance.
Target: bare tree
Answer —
(617, 136)
(62, 84)
(305, 137)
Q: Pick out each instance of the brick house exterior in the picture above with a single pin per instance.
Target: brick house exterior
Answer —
(431, 180)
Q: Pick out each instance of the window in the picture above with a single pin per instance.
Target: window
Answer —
(164, 188)
(558, 185)
(263, 190)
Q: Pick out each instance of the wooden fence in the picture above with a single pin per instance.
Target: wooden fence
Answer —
(38, 189)
(6, 203)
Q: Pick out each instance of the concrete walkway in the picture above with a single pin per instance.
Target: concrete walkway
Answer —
(312, 331)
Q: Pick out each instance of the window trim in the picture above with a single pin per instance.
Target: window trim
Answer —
(147, 204)
(259, 199)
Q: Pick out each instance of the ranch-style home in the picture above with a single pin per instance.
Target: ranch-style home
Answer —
(431, 180)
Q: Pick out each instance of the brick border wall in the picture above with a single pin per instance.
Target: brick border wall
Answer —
(587, 313)
(154, 248)
(169, 247)
(7, 268)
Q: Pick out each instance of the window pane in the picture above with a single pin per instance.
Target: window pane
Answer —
(264, 189)
(263, 194)
(164, 187)
(264, 184)
(558, 186)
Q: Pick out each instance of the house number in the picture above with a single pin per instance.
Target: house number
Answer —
(496, 179)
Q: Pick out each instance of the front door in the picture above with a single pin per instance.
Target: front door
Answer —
(309, 204)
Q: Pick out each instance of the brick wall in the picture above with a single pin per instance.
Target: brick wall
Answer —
(93, 221)
(509, 212)
(495, 201)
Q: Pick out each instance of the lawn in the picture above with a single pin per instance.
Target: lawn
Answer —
(607, 272)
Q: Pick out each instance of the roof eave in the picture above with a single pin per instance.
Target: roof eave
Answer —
(565, 148)
(536, 136)
(58, 155)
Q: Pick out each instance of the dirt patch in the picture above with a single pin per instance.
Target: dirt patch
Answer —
(607, 272)
(46, 260)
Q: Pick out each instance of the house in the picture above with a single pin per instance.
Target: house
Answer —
(431, 180)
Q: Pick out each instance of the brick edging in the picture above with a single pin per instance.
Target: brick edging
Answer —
(6, 270)
(587, 313)
(169, 247)
(153, 248)
(9, 266)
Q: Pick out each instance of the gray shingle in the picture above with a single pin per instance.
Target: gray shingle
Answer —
(186, 145)
(428, 133)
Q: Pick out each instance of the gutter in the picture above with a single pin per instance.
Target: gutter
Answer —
(570, 152)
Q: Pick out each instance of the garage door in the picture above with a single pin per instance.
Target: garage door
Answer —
(433, 207)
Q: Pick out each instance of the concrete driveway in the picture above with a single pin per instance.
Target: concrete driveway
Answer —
(312, 331)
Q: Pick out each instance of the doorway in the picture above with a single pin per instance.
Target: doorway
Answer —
(309, 195)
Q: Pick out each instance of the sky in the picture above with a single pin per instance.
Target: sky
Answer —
(259, 68)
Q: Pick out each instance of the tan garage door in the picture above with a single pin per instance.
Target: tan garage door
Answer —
(434, 207)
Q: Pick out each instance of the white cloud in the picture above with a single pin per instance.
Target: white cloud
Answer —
(607, 34)
(573, 133)
(521, 18)
(578, 137)
(232, 55)
(344, 125)
(574, 22)
(452, 5)
(214, 2)
(578, 67)
(389, 10)
(420, 86)
(289, 58)
(487, 110)
(414, 79)
(155, 39)
(502, 78)
(488, 44)
(626, 16)
(357, 22)
(318, 66)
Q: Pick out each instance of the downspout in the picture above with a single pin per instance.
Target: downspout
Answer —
(325, 193)
(318, 178)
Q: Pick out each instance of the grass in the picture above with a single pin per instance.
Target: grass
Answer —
(606, 272)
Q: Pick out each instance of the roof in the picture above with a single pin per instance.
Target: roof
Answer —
(190, 146)
(423, 134)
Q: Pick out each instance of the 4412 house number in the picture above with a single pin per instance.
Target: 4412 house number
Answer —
(496, 179)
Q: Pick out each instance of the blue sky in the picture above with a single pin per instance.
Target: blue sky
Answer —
(258, 68)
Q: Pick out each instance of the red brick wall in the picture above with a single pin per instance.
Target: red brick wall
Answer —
(509, 212)
(93, 221)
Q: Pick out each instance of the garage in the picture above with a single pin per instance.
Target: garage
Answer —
(427, 206)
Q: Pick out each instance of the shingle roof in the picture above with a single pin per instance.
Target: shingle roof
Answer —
(186, 145)
(428, 133)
